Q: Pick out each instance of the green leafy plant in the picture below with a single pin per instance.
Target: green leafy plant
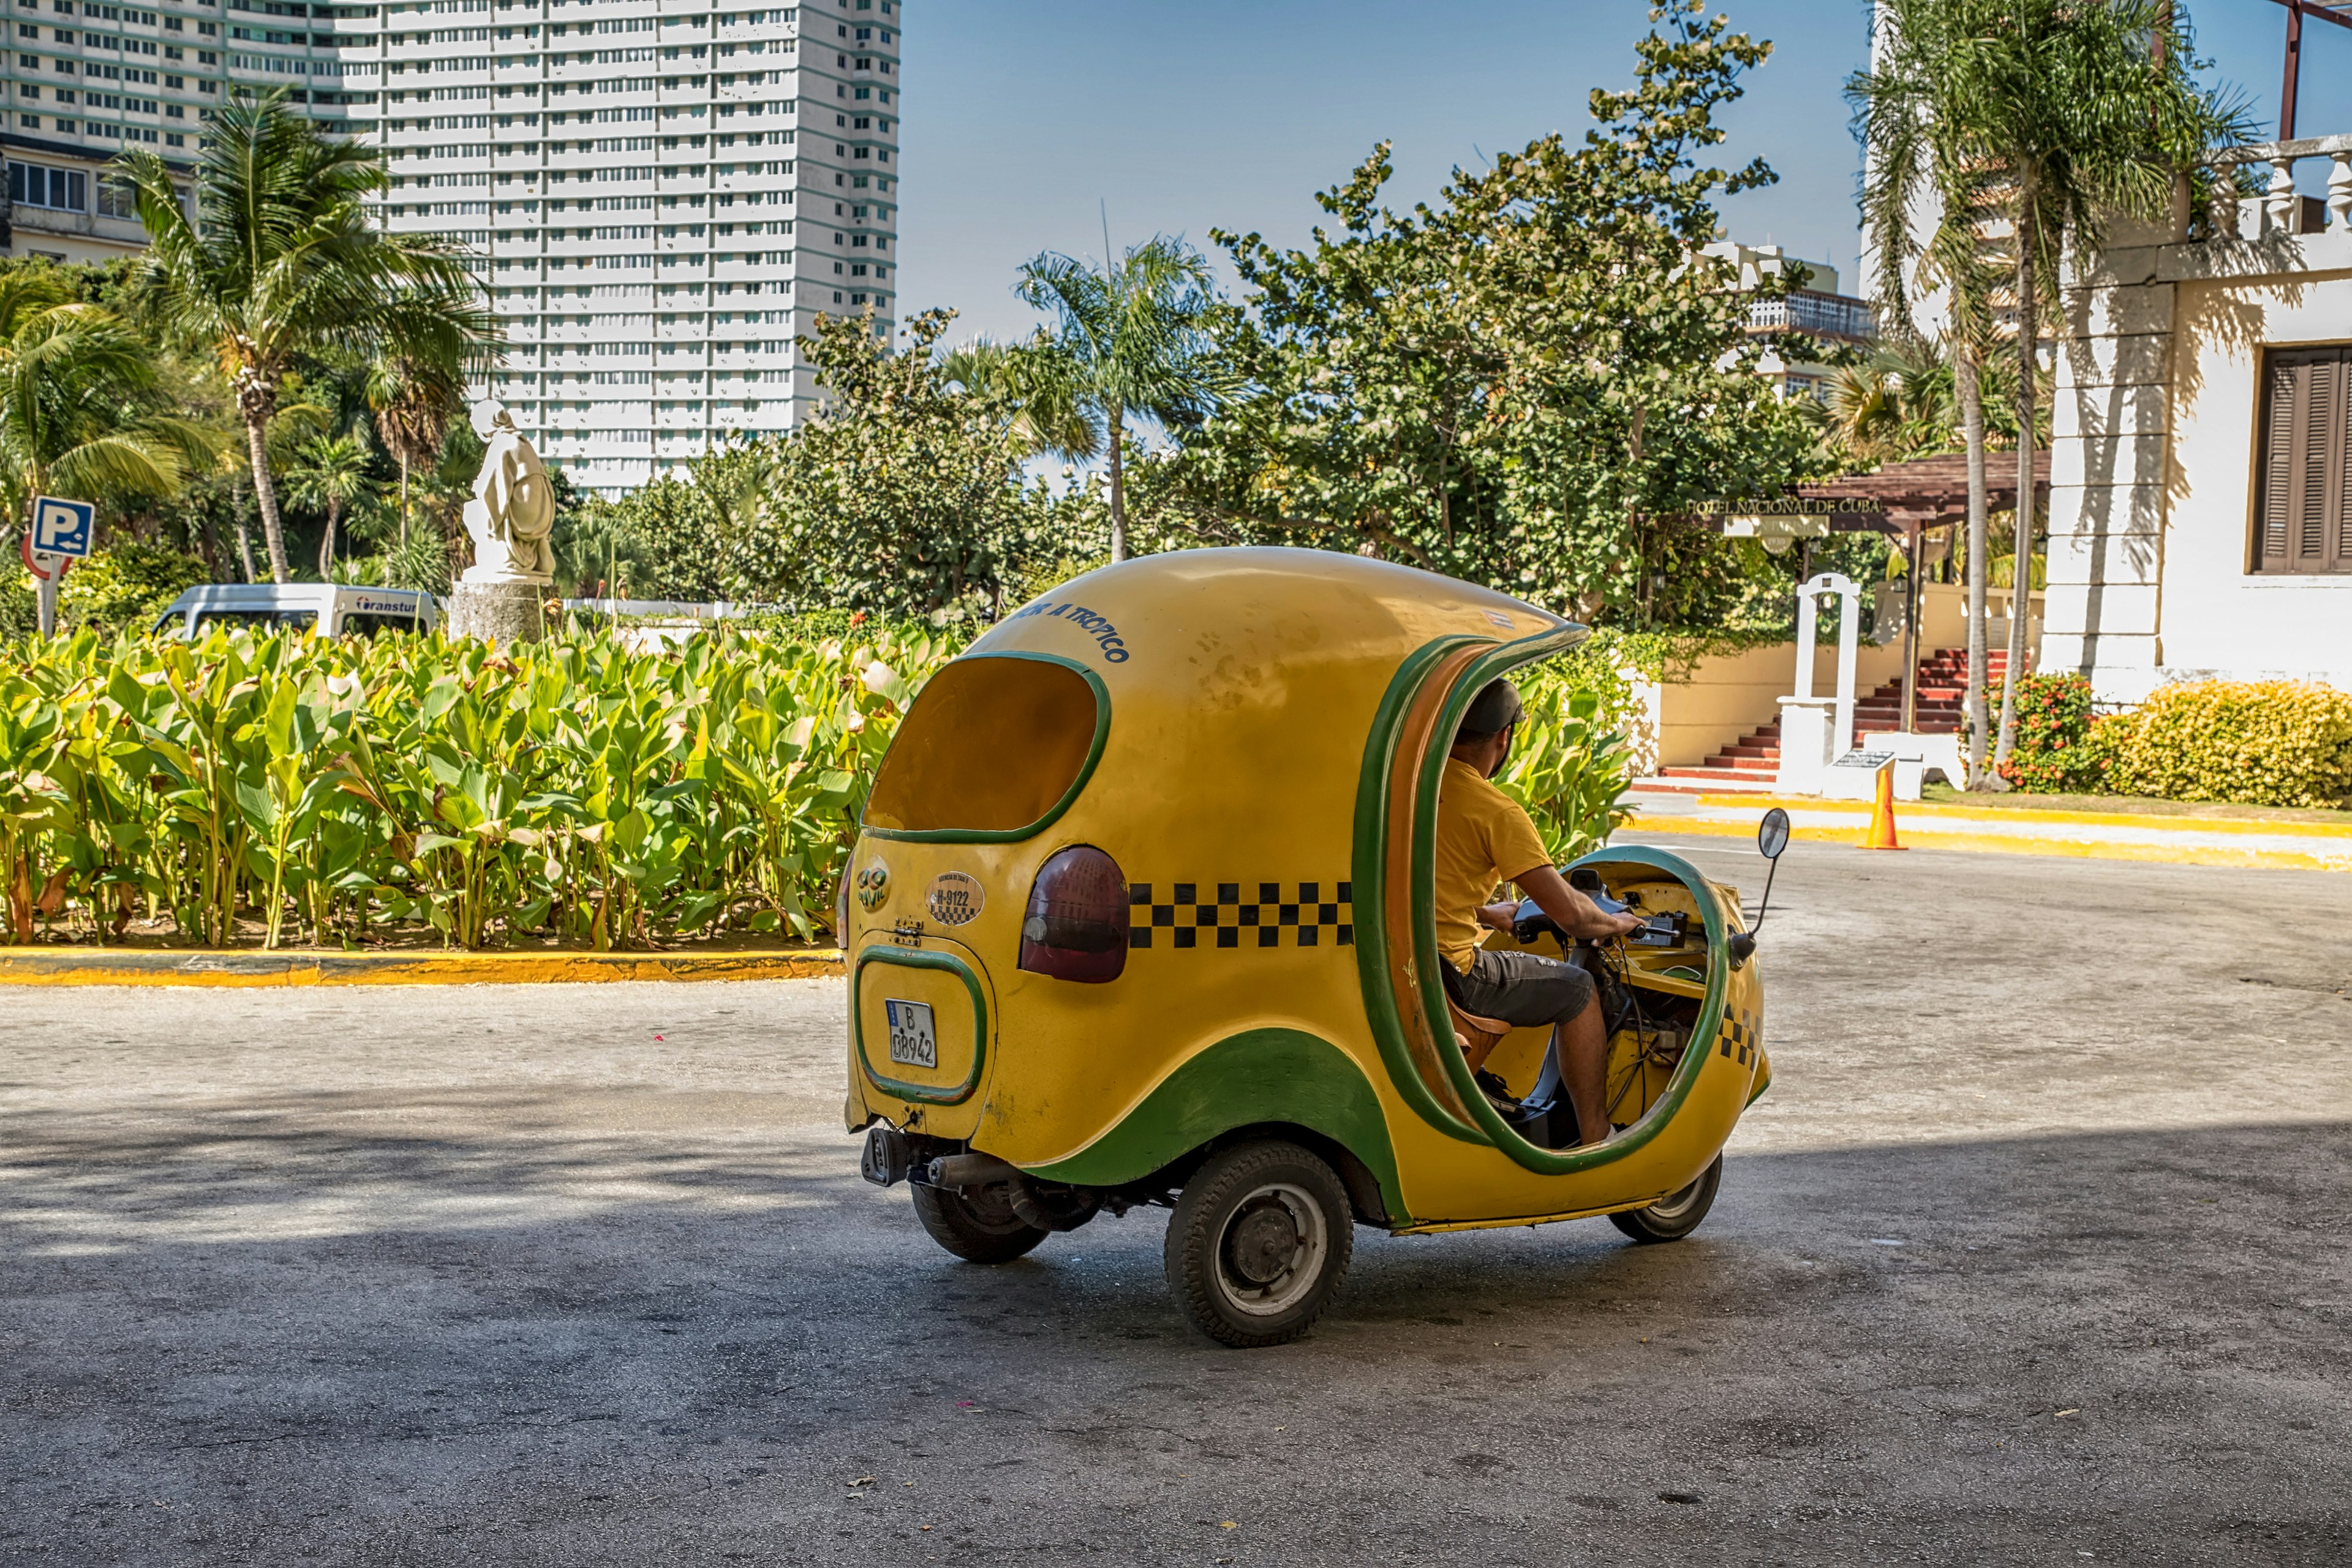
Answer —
(1567, 767)
(292, 787)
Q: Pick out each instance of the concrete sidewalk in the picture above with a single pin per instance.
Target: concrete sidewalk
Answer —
(2102, 836)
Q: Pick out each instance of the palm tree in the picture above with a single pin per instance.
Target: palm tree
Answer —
(78, 405)
(1925, 204)
(332, 474)
(1133, 339)
(1897, 403)
(414, 401)
(1029, 387)
(2054, 116)
(281, 264)
(2087, 108)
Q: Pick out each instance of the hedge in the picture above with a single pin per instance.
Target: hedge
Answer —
(2269, 743)
(333, 790)
(329, 788)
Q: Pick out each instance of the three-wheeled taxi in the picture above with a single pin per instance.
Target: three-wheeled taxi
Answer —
(1140, 913)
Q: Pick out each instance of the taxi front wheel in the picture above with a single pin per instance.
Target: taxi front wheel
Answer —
(1259, 1242)
(1678, 1213)
(976, 1224)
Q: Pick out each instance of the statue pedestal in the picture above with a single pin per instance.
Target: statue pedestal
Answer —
(496, 611)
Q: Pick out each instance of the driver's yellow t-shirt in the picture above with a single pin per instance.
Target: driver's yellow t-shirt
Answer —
(1484, 837)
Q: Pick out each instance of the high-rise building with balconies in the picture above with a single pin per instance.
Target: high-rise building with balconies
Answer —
(661, 195)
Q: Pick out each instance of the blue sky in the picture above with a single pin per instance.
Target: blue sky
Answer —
(1022, 115)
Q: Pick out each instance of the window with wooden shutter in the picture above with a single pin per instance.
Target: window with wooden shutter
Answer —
(2304, 523)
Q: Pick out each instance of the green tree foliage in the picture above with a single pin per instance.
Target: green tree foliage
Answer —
(125, 586)
(332, 476)
(1529, 383)
(282, 265)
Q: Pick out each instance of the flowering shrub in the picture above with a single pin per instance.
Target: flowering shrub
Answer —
(2051, 753)
(2269, 743)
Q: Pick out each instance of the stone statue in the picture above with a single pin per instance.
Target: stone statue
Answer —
(512, 513)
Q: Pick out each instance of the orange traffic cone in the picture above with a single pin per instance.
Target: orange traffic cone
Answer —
(1881, 832)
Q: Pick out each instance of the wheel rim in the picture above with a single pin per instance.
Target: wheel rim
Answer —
(1674, 1205)
(1271, 1249)
(990, 1208)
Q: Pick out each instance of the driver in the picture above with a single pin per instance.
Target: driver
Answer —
(1484, 838)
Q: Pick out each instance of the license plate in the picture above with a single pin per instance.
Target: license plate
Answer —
(913, 1041)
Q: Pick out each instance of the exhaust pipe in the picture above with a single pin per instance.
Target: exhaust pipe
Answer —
(970, 1170)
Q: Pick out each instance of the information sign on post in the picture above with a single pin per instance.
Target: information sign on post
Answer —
(61, 531)
(63, 527)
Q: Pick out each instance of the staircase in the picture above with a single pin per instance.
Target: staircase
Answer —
(1753, 762)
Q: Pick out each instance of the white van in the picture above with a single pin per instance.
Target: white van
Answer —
(330, 609)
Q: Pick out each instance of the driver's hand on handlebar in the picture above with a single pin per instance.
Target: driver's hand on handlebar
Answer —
(1571, 911)
(1612, 925)
(1501, 917)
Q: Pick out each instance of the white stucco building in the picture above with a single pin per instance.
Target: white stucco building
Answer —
(663, 193)
(2201, 503)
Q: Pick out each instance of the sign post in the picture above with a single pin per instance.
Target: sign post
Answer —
(60, 533)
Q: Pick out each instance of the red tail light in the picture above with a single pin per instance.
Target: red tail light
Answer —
(1075, 927)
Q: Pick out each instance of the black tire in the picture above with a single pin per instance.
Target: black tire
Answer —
(1676, 1214)
(977, 1225)
(1258, 1244)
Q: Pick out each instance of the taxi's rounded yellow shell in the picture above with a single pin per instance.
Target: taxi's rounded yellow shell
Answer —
(1263, 772)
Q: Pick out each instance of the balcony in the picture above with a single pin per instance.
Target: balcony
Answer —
(2250, 202)
(1832, 316)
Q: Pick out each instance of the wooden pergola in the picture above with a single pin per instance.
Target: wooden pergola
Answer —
(1910, 498)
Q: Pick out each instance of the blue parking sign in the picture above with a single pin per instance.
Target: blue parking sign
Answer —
(63, 527)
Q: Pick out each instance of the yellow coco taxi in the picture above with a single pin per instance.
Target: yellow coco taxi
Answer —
(1140, 913)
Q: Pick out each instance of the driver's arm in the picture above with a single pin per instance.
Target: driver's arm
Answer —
(1569, 909)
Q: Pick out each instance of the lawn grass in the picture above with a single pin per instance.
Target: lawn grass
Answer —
(2130, 806)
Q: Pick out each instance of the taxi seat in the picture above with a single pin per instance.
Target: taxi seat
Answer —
(1477, 1037)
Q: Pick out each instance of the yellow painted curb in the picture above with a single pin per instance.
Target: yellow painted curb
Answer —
(149, 966)
(2070, 818)
(1998, 844)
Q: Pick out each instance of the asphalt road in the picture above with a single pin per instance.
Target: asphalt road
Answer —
(2036, 1253)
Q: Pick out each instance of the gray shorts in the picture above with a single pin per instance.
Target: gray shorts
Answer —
(1520, 988)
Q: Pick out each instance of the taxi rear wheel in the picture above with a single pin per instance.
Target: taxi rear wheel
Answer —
(1258, 1244)
(1678, 1213)
(976, 1224)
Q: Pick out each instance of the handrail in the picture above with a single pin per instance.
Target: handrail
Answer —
(2268, 151)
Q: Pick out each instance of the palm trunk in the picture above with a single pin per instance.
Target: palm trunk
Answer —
(1118, 489)
(265, 493)
(245, 546)
(2022, 573)
(1970, 392)
(327, 546)
(403, 501)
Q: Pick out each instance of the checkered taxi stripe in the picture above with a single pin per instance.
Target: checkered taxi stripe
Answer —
(1742, 1034)
(1214, 914)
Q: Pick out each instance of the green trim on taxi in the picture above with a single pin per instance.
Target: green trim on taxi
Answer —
(1251, 1078)
(1053, 813)
(912, 958)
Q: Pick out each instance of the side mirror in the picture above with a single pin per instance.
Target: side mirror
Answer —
(1771, 838)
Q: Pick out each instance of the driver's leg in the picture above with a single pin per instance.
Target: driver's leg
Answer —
(1582, 1043)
